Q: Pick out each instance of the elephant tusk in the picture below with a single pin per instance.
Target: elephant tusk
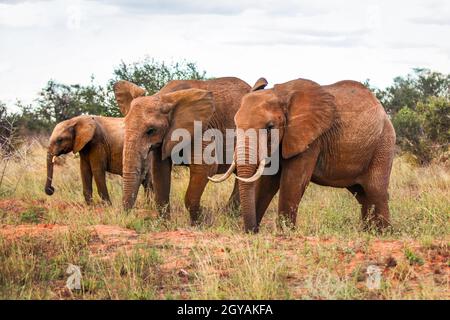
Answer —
(54, 159)
(226, 174)
(257, 174)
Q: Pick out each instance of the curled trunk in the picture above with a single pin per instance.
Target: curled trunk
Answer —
(49, 190)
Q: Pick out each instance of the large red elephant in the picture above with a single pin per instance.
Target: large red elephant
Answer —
(335, 135)
(150, 122)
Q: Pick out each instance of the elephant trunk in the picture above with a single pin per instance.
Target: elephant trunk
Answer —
(131, 175)
(247, 189)
(49, 190)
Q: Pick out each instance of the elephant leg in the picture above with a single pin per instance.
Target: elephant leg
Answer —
(198, 180)
(86, 179)
(377, 209)
(295, 177)
(161, 174)
(234, 200)
(377, 182)
(266, 188)
(358, 192)
(100, 181)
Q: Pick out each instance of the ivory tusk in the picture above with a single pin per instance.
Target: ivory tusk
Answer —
(54, 159)
(226, 174)
(257, 174)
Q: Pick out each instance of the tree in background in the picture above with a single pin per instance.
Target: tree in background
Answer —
(152, 75)
(58, 101)
(419, 106)
(418, 103)
(9, 137)
(417, 87)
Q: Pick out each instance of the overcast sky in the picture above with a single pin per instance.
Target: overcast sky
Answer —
(326, 41)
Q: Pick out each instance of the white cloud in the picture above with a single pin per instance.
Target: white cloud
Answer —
(68, 40)
(220, 7)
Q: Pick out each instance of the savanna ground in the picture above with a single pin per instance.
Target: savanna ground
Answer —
(140, 256)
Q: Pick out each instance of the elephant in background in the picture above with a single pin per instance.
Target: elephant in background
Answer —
(99, 141)
(336, 135)
(150, 121)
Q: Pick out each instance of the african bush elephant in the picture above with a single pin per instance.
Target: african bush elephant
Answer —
(150, 122)
(99, 140)
(336, 135)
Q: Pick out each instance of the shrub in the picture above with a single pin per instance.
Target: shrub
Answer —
(58, 101)
(425, 132)
(436, 119)
(419, 106)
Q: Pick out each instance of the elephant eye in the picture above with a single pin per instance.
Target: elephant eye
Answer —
(59, 140)
(151, 131)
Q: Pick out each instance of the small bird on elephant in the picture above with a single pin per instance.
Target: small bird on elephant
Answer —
(99, 142)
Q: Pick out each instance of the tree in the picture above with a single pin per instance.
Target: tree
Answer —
(419, 106)
(425, 132)
(58, 101)
(414, 88)
(436, 119)
(153, 75)
(9, 137)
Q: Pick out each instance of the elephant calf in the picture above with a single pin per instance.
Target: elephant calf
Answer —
(99, 140)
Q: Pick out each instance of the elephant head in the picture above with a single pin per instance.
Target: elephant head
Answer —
(69, 135)
(149, 123)
(300, 110)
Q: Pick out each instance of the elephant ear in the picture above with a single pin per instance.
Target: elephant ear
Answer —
(260, 84)
(185, 107)
(84, 129)
(125, 92)
(310, 113)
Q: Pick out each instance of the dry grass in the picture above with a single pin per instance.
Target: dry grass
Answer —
(324, 258)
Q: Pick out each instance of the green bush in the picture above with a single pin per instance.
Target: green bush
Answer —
(58, 101)
(419, 106)
(410, 134)
(436, 119)
(424, 132)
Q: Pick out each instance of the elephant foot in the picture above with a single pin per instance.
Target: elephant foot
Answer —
(251, 229)
(195, 223)
(197, 216)
(164, 212)
(379, 225)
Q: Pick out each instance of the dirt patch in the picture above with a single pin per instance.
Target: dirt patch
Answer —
(12, 206)
(176, 248)
(12, 232)
(107, 240)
